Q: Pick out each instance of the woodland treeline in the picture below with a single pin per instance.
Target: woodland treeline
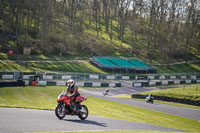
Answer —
(167, 27)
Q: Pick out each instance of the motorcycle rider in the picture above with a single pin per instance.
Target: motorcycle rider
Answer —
(75, 95)
(150, 97)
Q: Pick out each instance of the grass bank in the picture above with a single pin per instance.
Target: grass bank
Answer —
(114, 132)
(5, 56)
(189, 92)
(45, 98)
(161, 102)
(84, 67)
(179, 68)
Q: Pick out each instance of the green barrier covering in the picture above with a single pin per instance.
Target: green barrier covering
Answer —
(170, 82)
(51, 83)
(182, 82)
(104, 85)
(193, 81)
(158, 83)
(188, 77)
(132, 77)
(118, 77)
(118, 84)
(102, 77)
(57, 77)
(145, 84)
(142, 77)
(167, 77)
(87, 84)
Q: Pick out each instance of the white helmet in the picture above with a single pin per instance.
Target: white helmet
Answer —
(70, 82)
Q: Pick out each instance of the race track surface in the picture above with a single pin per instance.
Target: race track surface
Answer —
(174, 110)
(18, 120)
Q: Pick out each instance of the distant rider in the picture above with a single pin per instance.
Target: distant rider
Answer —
(75, 95)
(150, 97)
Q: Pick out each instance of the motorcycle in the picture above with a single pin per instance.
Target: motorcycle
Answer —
(64, 107)
(149, 100)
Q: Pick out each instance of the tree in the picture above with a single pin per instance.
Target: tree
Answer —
(122, 16)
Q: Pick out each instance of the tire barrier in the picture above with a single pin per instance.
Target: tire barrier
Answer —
(12, 83)
(139, 96)
(169, 99)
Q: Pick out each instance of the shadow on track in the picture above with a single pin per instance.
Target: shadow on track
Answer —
(87, 122)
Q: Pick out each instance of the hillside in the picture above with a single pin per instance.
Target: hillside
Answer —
(62, 30)
(84, 66)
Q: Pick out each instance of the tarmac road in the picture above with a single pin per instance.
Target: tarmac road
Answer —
(15, 120)
(174, 110)
(18, 120)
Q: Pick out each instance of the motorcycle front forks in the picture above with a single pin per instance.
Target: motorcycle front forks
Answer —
(63, 107)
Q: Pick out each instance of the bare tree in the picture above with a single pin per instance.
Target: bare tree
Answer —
(96, 14)
(122, 16)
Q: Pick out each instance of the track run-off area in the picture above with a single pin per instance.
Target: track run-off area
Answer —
(19, 120)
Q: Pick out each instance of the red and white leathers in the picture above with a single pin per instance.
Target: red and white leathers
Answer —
(75, 95)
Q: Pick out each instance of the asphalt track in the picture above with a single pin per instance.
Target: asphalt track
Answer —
(16, 120)
(174, 110)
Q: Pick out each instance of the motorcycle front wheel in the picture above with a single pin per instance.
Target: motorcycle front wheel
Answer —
(83, 113)
(59, 111)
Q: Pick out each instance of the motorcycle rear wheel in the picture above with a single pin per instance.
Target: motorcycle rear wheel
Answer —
(82, 115)
(59, 112)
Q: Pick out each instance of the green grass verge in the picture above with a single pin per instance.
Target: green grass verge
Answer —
(160, 102)
(180, 68)
(84, 67)
(13, 66)
(190, 92)
(114, 132)
(4, 56)
(45, 98)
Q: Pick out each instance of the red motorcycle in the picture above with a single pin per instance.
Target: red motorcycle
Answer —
(64, 106)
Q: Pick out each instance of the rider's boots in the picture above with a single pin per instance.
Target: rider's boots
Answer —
(77, 107)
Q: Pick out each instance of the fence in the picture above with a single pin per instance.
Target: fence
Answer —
(164, 83)
(80, 84)
(87, 76)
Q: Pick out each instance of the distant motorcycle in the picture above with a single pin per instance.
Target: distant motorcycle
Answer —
(106, 92)
(149, 99)
(64, 107)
